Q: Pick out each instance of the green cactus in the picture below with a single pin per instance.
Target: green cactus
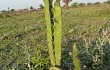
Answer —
(54, 30)
(75, 57)
(48, 13)
(57, 31)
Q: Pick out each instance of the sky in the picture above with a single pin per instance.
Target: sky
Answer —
(21, 4)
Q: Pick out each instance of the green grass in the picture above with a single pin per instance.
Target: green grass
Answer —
(29, 30)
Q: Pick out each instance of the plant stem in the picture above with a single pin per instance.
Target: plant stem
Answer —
(48, 4)
(75, 57)
(57, 31)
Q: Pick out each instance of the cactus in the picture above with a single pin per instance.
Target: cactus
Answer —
(54, 30)
(75, 57)
(57, 31)
(54, 68)
(48, 13)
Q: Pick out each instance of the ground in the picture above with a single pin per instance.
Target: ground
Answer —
(23, 42)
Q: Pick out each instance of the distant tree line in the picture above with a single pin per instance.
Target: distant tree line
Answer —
(66, 5)
(89, 4)
(31, 8)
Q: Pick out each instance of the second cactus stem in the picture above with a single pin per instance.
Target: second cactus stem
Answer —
(57, 31)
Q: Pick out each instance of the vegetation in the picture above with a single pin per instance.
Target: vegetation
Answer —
(75, 4)
(81, 4)
(31, 8)
(12, 10)
(107, 2)
(57, 31)
(49, 23)
(66, 3)
(75, 57)
(41, 6)
(54, 30)
(24, 45)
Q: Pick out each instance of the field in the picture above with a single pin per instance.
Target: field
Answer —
(23, 42)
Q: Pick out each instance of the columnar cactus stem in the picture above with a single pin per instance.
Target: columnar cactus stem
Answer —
(75, 57)
(48, 4)
(57, 31)
(54, 30)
